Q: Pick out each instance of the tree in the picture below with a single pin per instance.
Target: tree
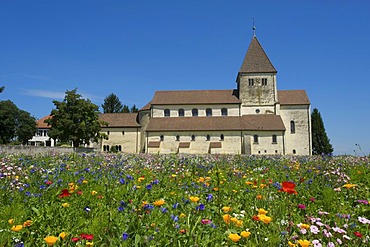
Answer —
(320, 141)
(74, 119)
(112, 104)
(15, 124)
(2, 89)
(134, 109)
(125, 109)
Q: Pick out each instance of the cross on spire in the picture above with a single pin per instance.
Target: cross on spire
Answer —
(254, 29)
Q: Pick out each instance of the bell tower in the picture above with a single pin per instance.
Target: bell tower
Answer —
(256, 82)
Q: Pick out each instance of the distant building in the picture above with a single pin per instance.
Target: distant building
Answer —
(255, 118)
(41, 137)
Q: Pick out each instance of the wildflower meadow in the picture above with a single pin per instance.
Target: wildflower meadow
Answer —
(183, 200)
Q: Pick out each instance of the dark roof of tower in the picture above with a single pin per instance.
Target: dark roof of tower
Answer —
(256, 60)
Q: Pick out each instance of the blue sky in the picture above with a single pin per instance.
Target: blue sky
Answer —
(133, 48)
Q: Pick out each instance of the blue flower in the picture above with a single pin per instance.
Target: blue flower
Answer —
(175, 218)
(164, 210)
(120, 208)
(149, 187)
(200, 207)
(209, 197)
(122, 181)
(87, 209)
(175, 205)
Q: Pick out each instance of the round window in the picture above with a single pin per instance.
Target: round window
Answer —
(257, 111)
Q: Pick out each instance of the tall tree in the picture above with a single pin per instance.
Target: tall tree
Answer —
(74, 119)
(2, 89)
(320, 141)
(15, 124)
(125, 109)
(112, 104)
(134, 109)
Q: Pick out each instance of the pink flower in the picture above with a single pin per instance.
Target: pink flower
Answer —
(206, 222)
(314, 229)
(301, 206)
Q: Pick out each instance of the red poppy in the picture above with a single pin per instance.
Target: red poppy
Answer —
(255, 217)
(288, 187)
(79, 192)
(48, 182)
(64, 193)
(75, 239)
(358, 234)
(87, 236)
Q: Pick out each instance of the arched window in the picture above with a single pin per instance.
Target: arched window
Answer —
(161, 138)
(294, 152)
(194, 112)
(208, 138)
(178, 138)
(224, 112)
(222, 137)
(255, 138)
(106, 148)
(292, 127)
(193, 137)
(209, 112)
(274, 139)
(166, 112)
(181, 113)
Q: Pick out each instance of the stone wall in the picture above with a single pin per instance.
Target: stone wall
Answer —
(32, 150)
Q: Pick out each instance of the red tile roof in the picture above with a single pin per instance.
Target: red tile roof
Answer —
(293, 97)
(248, 122)
(195, 97)
(41, 124)
(120, 119)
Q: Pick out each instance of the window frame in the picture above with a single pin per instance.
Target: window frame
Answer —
(167, 112)
(181, 112)
(292, 127)
(224, 112)
(255, 139)
(194, 112)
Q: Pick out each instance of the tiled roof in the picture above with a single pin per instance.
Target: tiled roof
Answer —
(293, 97)
(41, 123)
(195, 97)
(247, 122)
(120, 119)
(256, 60)
(146, 107)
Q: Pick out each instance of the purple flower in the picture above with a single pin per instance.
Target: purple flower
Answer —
(301, 206)
(125, 236)
(209, 197)
(363, 201)
(149, 187)
(200, 207)
(175, 205)
(175, 218)
(122, 181)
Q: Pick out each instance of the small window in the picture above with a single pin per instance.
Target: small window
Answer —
(250, 82)
(259, 152)
(193, 137)
(177, 138)
(274, 139)
(264, 81)
(194, 112)
(123, 133)
(181, 113)
(208, 138)
(106, 148)
(222, 137)
(161, 138)
(118, 148)
(108, 133)
(276, 151)
(292, 127)
(209, 112)
(258, 111)
(166, 112)
(224, 112)
(255, 139)
(294, 152)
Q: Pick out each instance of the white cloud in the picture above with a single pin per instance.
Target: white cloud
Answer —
(44, 93)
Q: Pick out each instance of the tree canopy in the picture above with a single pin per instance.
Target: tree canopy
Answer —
(74, 119)
(320, 141)
(112, 104)
(2, 89)
(15, 124)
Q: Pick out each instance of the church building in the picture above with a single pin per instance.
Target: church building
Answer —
(255, 118)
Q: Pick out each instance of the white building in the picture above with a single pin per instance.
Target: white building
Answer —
(41, 137)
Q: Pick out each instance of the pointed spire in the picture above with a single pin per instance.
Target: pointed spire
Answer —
(256, 60)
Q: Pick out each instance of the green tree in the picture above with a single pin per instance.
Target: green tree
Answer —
(125, 109)
(112, 104)
(320, 141)
(2, 89)
(74, 119)
(134, 109)
(15, 124)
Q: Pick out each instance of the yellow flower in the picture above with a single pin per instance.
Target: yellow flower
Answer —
(11, 221)
(265, 219)
(201, 180)
(144, 203)
(304, 243)
(215, 189)
(138, 187)
(50, 240)
(158, 203)
(89, 244)
(226, 209)
(84, 182)
(63, 235)
(259, 197)
(72, 187)
(94, 192)
(249, 183)
(182, 215)
(262, 211)
(17, 228)
(140, 179)
(65, 205)
(262, 186)
(348, 186)
(233, 219)
(194, 198)
(234, 237)
(173, 175)
(245, 234)
(305, 226)
(227, 218)
(291, 244)
(239, 223)
(208, 178)
(27, 223)
(173, 193)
